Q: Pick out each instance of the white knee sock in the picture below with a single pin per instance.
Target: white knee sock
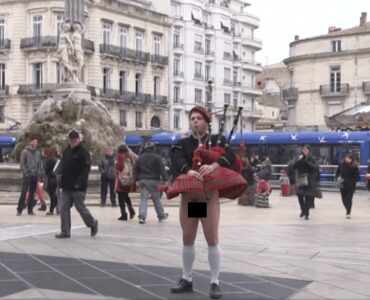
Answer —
(188, 257)
(214, 259)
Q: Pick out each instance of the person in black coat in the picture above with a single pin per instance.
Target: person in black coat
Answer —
(350, 173)
(306, 165)
(368, 174)
(75, 169)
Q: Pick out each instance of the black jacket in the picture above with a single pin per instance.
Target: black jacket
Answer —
(350, 173)
(182, 155)
(75, 168)
(149, 166)
(307, 165)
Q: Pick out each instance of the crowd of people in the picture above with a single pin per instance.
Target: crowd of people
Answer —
(198, 174)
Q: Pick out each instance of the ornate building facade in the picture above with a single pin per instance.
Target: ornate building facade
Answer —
(126, 59)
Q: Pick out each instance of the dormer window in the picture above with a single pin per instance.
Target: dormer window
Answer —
(336, 46)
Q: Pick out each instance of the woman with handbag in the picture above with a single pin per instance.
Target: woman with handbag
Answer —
(306, 180)
(348, 173)
(124, 183)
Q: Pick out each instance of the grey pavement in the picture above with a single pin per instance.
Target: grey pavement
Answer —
(266, 253)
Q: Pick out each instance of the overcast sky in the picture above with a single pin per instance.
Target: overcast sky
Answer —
(281, 20)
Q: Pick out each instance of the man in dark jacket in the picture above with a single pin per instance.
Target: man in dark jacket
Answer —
(148, 171)
(108, 177)
(75, 168)
(32, 169)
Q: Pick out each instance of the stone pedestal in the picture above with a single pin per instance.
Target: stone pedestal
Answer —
(74, 90)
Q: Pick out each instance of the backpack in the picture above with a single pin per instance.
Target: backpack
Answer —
(126, 176)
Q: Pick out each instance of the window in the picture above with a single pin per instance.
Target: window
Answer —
(107, 29)
(176, 39)
(155, 122)
(235, 77)
(106, 80)
(122, 118)
(235, 103)
(198, 43)
(335, 79)
(138, 84)
(157, 45)
(176, 121)
(208, 72)
(122, 82)
(59, 73)
(2, 116)
(2, 33)
(208, 46)
(37, 75)
(227, 74)
(123, 37)
(2, 77)
(198, 70)
(176, 94)
(138, 120)
(227, 98)
(60, 20)
(198, 95)
(176, 66)
(227, 50)
(139, 40)
(336, 46)
(37, 26)
(157, 85)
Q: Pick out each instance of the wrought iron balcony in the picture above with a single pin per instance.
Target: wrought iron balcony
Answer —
(37, 89)
(88, 46)
(158, 100)
(178, 101)
(124, 53)
(228, 81)
(159, 59)
(334, 90)
(178, 73)
(198, 76)
(139, 125)
(209, 52)
(178, 46)
(366, 88)
(5, 44)
(4, 91)
(237, 84)
(198, 50)
(290, 94)
(39, 42)
(228, 56)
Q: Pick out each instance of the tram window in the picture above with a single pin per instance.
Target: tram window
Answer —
(355, 149)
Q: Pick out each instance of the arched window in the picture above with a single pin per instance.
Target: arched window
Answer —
(155, 122)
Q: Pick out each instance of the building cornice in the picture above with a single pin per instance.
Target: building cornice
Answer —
(325, 55)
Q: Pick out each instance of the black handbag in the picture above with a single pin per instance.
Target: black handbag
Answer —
(302, 181)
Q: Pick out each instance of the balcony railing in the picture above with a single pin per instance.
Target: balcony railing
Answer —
(237, 84)
(290, 93)
(199, 50)
(178, 101)
(209, 52)
(37, 89)
(39, 42)
(198, 76)
(159, 59)
(236, 58)
(88, 46)
(178, 73)
(5, 44)
(4, 91)
(366, 87)
(228, 81)
(158, 100)
(124, 53)
(228, 56)
(334, 90)
(139, 125)
(178, 46)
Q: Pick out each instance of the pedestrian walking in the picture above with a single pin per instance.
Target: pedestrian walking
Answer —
(50, 179)
(107, 177)
(75, 168)
(32, 170)
(307, 169)
(148, 172)
(348, 173)
(124, 183)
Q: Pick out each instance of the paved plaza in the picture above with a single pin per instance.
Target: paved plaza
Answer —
(266, 253)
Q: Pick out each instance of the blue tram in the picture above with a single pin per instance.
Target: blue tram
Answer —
(7, 144)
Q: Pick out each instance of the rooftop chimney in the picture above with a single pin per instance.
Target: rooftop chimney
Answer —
(331, 29)
(296, 37)
(363, 19)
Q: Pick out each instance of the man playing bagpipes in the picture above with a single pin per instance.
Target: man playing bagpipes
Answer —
(201, 175)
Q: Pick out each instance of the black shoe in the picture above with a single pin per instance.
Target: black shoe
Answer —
(301, 215)
(306, 217)
(165, 217)
(123, 217)
(94, 229)
(102, 204)
(19, 213)
(132, 212)
(114, 204)
(62, 236)
(215, 291)
(183, 286)
(42, 208)
(31, 213)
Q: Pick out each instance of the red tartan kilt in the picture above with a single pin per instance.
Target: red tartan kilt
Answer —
(229, 184)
